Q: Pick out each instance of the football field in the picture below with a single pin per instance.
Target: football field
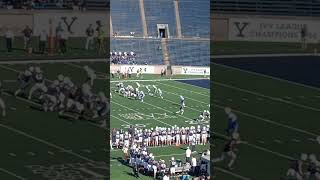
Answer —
(155, 111)
(279, 120)
(42, 145)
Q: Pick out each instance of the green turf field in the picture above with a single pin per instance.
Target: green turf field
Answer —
(39, 145)
(197, 99)
(75, 50)
(278, 121)
(244, 47)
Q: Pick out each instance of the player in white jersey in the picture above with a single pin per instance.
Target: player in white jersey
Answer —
(160, 93)
(138, 85)
(148, 90)
(178, 140)
(181, 109)
(204, 136)
(155, 89)
(39, 83)
(2, 104)
(91, 74)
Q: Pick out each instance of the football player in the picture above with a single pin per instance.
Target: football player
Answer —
(39, 83)
(233, 125)
(91, 74)
(2, 104)
(25, 79)
(102, 105)
(229, 151)
(295, 171)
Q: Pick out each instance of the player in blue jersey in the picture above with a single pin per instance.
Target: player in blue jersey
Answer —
(233, 124)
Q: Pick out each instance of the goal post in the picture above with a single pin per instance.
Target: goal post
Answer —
(51, 38)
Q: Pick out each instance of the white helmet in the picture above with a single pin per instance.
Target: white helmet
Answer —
(304, 157)
(27, 73)
(313, 157)
(37, 69)
(31, 68)
(60, 77)
(318, 139)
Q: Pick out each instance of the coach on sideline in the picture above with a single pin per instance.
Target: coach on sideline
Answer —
(9, 39)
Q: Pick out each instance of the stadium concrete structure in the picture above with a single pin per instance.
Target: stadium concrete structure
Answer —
(137, 25)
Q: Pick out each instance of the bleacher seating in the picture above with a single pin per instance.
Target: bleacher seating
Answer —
(268, 7)
(147, 51)
(160, 12)
(187, 52)
(195, 18)
(126, 17)
(192, 49)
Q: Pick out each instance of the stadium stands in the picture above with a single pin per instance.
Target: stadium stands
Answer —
(268, 7)
(147, 51)
(189, 48)
(55, 4)
(195, 18)
(126, 17)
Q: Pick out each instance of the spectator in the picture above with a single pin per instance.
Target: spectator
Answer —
(63, 42)
(43, 37)
(27, 35)
(193, 165)
(9, 39)
(89, 34)
(100, 38)
(59, 30)
(188, 155)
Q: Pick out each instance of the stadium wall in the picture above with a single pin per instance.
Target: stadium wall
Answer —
(264, 28)
(148, 69)
(74, 22)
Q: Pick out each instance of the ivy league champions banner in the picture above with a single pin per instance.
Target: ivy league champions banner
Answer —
(74, 23)
(272, 30)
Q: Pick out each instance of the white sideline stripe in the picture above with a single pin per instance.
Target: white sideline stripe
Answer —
(231, 173)
(269, 77)
(152, 80)
(53, 61)
(269, 97)
(45, 142)
(262, 119)
(12, 174)
(166, 155)
(263, 55)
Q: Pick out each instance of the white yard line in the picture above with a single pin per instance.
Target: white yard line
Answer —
(269, 97)
(45, 142)
(12, 174)
(186, 89)
(232, 173)
(259, 118)
(267, 76)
